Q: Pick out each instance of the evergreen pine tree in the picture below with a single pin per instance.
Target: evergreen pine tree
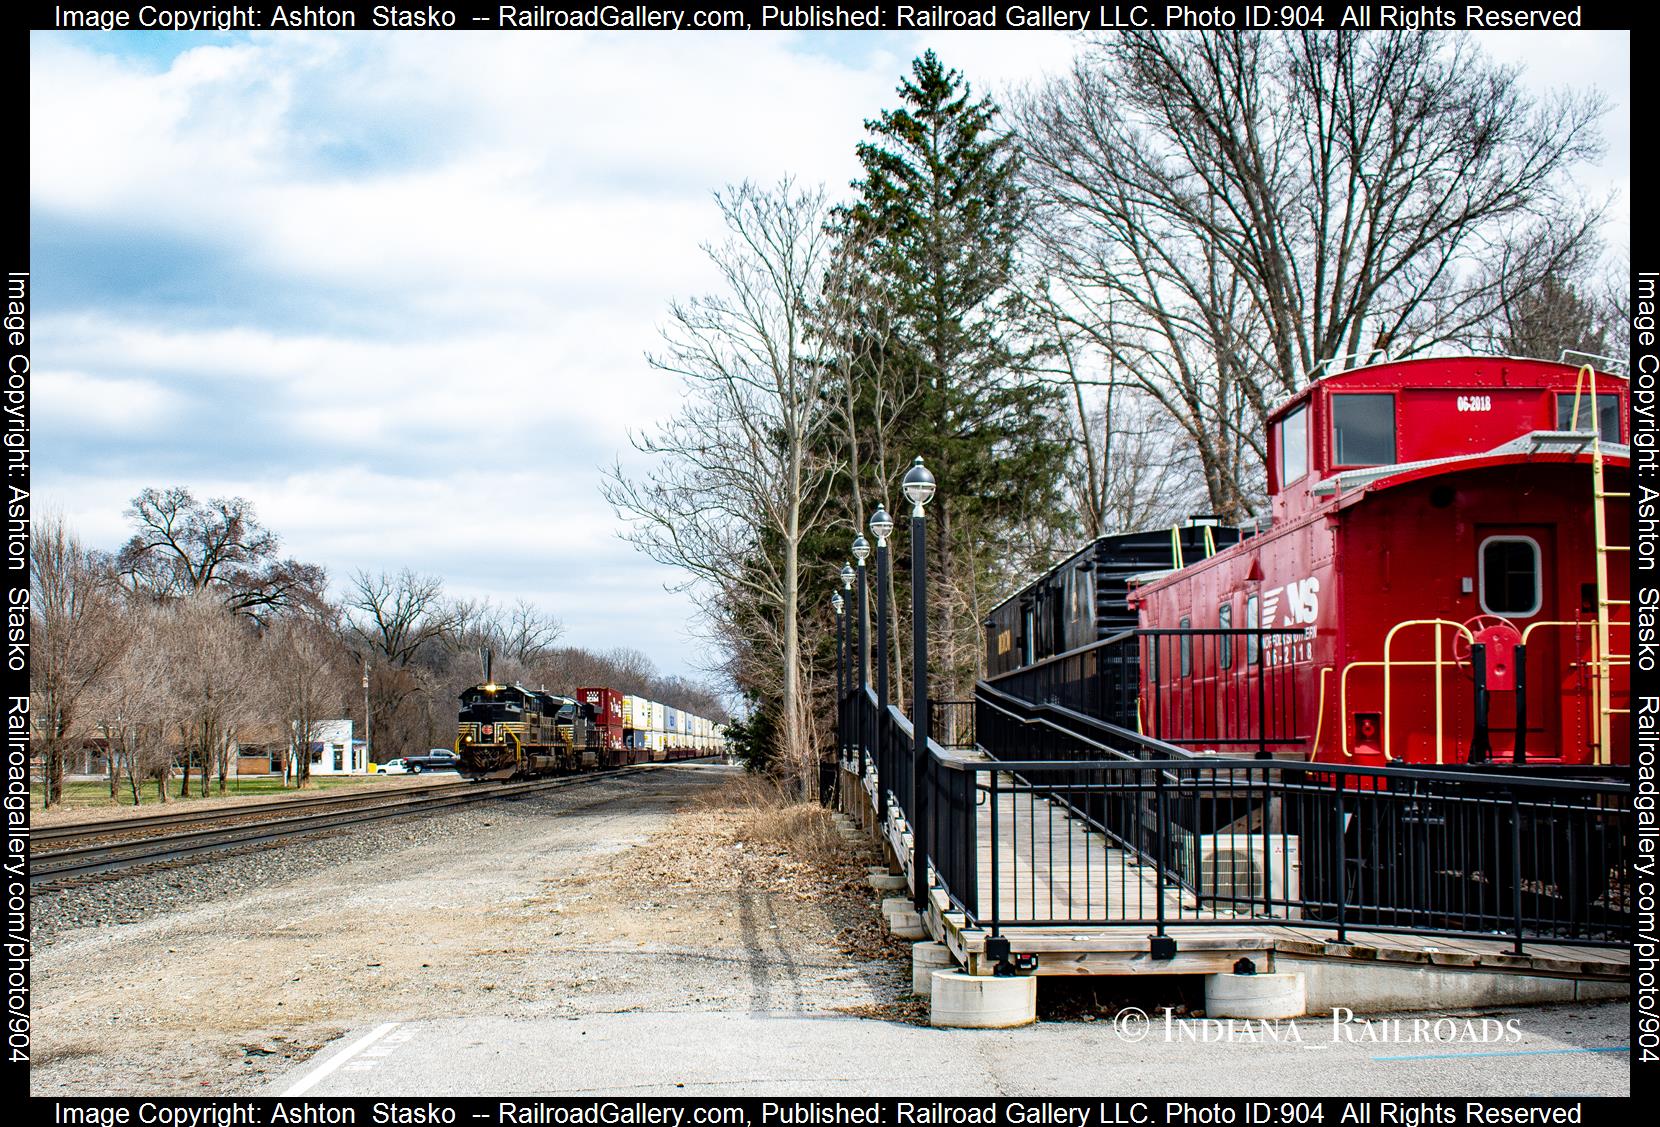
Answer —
(937, 220)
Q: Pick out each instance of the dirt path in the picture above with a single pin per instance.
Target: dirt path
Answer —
(635, 894)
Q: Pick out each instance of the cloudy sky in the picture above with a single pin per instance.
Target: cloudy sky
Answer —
(396, 288)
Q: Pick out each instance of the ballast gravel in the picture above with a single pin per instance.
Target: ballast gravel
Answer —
(633, 893)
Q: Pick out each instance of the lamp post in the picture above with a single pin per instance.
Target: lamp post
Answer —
(855, 711)
(881, 527)
(918, 487)
(861, 552)
(368, 722)
(841, 675)
(836, 604)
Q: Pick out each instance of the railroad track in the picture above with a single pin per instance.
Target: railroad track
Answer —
(59, 864)
(251, 812)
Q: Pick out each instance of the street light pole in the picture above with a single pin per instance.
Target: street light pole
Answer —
(861, 552)
(857, 710)
(918, 487)
(368, 721)
(841, 677)
(881, 527)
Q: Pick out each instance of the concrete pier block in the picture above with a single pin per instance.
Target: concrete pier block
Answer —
(977, 1001)
(926, 958)
(905, 925)
(887, 882)
(903, 921)
(1259, 996)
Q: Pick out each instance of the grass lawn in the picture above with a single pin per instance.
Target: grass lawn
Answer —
(91, 793)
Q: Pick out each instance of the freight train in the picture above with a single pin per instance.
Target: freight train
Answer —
(511, 732)
(1442, 578)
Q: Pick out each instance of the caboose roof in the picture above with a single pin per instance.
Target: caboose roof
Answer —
(1568, 444)
(1436, 372)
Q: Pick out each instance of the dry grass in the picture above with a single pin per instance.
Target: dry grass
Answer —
(769, 815)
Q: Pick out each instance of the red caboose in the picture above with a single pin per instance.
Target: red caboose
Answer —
(1437, 559)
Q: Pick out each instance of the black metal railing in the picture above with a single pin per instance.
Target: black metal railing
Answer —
(1217, 689)
(1079, 822)
(896, 776)
(951, 722)
(1118, 839)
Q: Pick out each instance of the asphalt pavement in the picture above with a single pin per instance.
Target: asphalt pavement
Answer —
(1548, 1051)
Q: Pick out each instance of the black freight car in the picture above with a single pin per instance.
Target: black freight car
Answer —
(1082, 599)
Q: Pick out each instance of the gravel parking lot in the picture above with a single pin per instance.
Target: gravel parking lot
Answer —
(205, 979)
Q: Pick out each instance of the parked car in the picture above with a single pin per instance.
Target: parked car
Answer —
(438, 759)
(393, 767)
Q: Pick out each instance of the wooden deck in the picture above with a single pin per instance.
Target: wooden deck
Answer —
(1050, 863)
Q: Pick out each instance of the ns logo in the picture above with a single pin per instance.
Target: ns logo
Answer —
(1302, 603)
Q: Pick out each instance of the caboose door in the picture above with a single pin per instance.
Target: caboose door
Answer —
(1516, 579)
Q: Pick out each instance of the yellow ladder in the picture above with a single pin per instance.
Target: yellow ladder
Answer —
(1603, 660)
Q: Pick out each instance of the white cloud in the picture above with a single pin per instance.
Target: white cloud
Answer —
(431, 267)
(109, 407)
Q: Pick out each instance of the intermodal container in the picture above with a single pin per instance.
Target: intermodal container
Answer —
(606, 703)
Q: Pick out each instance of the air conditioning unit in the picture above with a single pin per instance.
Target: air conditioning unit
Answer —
(1234, 873)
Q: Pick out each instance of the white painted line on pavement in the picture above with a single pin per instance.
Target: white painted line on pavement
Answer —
(346, 1054)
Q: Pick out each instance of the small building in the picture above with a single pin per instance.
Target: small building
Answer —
(334, 752)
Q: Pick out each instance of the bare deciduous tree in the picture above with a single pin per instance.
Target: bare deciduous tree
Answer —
(400, 620)
(1226, 212)
(309, 671)
(131, 701)
(217, 683)
(736, 486)
(397, 615)
(184, 546)
(76, 637)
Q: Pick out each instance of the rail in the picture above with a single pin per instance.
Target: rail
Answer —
(243, 812)
(76, 861)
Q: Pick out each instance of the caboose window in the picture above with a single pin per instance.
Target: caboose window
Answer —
(1224, 619)
(1608, 415)
(1294, 446)
(1187, 647)
(1364, 429)
(1252, 614)
(1510, 581)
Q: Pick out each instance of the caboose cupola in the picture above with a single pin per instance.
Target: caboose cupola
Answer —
(1416, 411)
